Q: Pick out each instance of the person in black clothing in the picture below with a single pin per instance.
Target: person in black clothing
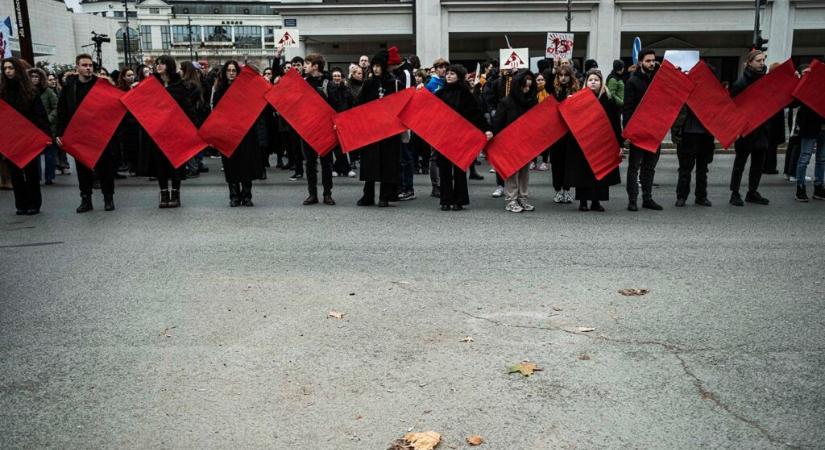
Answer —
(694, 148)
(75, 90)
(341, 98)
(186, 98)
(640, 160)
(564, 85)
(457, 95)
(17, 90)
(521, 97)
(380, 161)
(313, 68)
(294, 142)
(812, 142)
(577, 171)
(755, 144)
(245, 164)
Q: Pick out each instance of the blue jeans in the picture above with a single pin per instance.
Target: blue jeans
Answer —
(805, 152)
(407, 166)
(49, 161)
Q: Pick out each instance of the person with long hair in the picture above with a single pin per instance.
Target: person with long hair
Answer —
(17, 90)
(245, 164)
(129, 130)
(565, 84)
(193, 81)
(457, 95)
(49, 99)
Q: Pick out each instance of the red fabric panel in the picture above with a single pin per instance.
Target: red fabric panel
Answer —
(590, 126)
(164, 121)
(21, 140)
(371, 122)
(811, 89)
(526, 138)
(761, 100)
(659, 107)
(94, 123)
(236, 112)
(713, 106)
(449, 133)
(305, 110)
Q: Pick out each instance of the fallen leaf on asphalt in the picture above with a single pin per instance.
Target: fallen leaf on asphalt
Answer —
(475, 440)
(556, 308)
(426, 440)
(526, 368)
(336, 315)
(633, 292)
(584, 357)
(585, 329)
(165, 331)
(468, 339)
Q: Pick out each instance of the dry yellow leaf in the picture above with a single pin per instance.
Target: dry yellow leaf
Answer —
(426, 440)
(468, 339)
(336, 315)
(526, 368)
(475, 440)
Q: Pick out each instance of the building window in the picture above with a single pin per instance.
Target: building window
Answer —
(165, 40)
(145, 37)
(218, 34)
(269, 36)
(131, 14)
(154, 10)
(247, 37)
(180, 34)
(120, 37)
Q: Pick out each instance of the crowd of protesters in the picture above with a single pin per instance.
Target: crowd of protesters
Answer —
(489, 98)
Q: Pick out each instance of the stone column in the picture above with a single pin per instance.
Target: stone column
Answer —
(431, 35)
(779, 31)
(606, 36)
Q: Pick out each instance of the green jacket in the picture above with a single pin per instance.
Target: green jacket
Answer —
(49, 100)
(616, 88)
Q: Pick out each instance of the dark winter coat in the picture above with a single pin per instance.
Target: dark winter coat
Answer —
(32, 109)
(340, 97)
(380, 161)
(760, 137)
(634, 90)
(246, 163)
(809, 122)
(70, 97)
(186, 99)
(515, 104)
(461, 100)
(577, 170)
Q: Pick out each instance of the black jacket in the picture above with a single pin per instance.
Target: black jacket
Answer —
(380, 161)
(759, 136)
(458, 97)
(515, 104)
(70, 97)
(810, 123)
(32, 109)
(634, 90)
(340, 97)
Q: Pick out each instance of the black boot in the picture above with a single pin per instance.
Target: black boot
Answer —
(85, 204)
(368, 199)
(474, 175)
(164, 199)
(174, 198)
(108, 202)
(246, 194)
(234, 195)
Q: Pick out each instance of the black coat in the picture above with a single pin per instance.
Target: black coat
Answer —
(32, 109)
(809, 122)
(340, 97)
(760, 137)
(577, 170)
(186, 98)
(515, 103)
(634, 90)
(380, 161)
(462, 101)
(246, 163)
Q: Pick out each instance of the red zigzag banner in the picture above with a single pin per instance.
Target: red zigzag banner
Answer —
(94, 123)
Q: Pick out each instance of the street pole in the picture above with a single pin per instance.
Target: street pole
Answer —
(21, 15)
(569, 17)
(755, 22)
(127, 41)
(189, 27)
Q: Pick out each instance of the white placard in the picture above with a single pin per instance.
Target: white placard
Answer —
(287, 38)
(683, 59)
(514, 58)
(559, 46)
(5, 38)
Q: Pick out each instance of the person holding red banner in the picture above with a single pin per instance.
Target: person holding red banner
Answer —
(246, 163)
(381, 161)
(577, 171)
(17, 90)
(314, 65)
(521, 98)
(456, 94)
(812, 139)
(73, 93)
(565, 84)
(641, 165)
(755, 144)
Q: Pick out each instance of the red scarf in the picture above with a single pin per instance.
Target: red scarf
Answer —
(443, 128)
(305, 110)
(526, 138)
(591, 127)
(659, 108)
(767, 96)
(94, 123)
(236, 112)
(164, 121)
(371, 122)
(22, 141)
(713, 106)
(810, 88)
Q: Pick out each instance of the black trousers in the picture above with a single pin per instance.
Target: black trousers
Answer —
(454, 189)
(386, 193)
(755, 149)
(792, 156)
(294, 151)
(341, 165)
(557, 162)
(696, 150)
(641, 165)
(105, 170)
(166, 173)
(770, 161)
(26, 185)
(312, 170)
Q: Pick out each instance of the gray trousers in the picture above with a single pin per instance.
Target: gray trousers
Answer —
(516, 185)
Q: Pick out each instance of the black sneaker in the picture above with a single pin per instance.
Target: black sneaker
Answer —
(819, 192)
(651, 204)
(296, 176)
(436, 192)
(632, 206)
(736, 199)
(801, 194)
(680, 202)
(703, 202)
(754, 197)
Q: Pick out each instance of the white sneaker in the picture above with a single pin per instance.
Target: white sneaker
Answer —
(351, 174)
(532, 166)
(498, 192)
(543, 167)
(513, 206)
(785, 176)
(792, 179)
(526, 206)
(568, 197)
(492, 170)
(559, 198)
(335, 174)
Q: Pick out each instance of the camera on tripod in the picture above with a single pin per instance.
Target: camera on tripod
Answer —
(100, 38)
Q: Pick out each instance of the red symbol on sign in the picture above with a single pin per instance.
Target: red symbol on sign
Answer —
(286, 39)
(514, 61)
(560, 46)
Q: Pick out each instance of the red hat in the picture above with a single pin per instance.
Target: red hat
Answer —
(395, 58)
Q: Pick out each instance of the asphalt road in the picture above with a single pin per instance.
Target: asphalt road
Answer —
(207, 326)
